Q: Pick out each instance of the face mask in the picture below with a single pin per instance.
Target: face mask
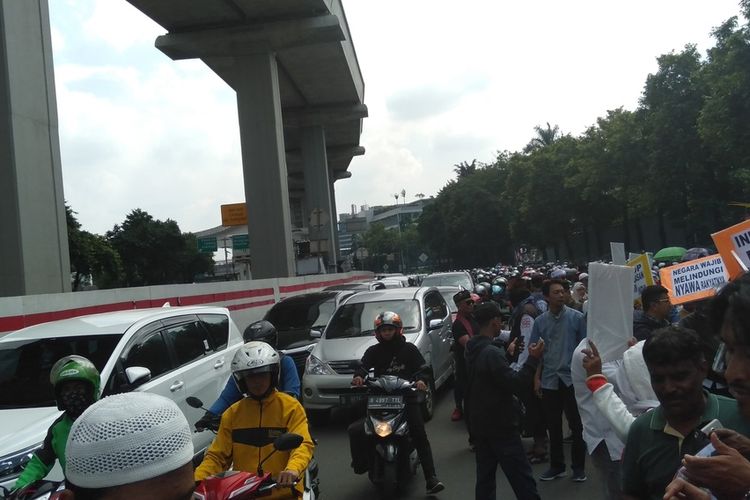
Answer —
(76, 400)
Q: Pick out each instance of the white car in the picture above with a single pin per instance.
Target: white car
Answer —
(331, 364)
(172, 351)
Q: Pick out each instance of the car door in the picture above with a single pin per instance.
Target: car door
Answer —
(201, 364)
(436, 308)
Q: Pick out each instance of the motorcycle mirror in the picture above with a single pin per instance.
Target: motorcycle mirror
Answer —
(194, 402)
(287, 442)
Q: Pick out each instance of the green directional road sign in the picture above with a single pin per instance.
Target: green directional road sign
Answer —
(207, 245)
(240, 242)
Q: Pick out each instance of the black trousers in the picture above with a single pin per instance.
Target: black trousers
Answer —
(508, 453)
(555, 402)
(360, 443)
(534, 422)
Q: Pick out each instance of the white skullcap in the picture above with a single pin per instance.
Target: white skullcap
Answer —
(127, 438)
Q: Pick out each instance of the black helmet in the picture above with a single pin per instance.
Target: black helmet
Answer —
(263, 331)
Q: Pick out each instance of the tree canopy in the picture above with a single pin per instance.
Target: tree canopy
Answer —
(139, 252)
(679, 158)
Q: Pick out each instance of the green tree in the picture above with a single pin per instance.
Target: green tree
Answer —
(465, 169)
(91, 255)
(156, 252)
(544, 137)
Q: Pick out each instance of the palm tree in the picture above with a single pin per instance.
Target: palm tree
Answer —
(544, 138)
(465, 169)
(419, 195)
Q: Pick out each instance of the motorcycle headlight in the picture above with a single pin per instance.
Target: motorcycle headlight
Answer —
(12, 465)
(383, 429)
(314, 366)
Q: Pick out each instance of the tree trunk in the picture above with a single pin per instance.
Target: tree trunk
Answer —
(662, 229)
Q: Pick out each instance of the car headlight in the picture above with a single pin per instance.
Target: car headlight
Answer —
(314, 366)
(383, 429)
(12, 465)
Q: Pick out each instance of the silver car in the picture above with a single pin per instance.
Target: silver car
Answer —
(333, 360)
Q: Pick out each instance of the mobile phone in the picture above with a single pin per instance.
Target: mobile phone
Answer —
(711, 426)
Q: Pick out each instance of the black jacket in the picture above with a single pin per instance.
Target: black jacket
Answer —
(394, 357)
(492, 384)
(644, 325)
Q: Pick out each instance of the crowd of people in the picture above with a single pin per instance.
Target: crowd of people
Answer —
(668, 420)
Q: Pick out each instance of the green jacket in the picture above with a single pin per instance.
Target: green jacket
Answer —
(53, 448)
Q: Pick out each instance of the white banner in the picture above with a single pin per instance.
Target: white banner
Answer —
(610, 309)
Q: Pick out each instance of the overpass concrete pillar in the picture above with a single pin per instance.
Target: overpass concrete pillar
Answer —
(264, 166)
(320, 216)
(34, 256)
(335, 214)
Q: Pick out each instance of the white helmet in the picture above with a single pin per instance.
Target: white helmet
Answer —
(255, 357)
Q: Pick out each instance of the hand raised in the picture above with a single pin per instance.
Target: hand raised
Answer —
(592, 362)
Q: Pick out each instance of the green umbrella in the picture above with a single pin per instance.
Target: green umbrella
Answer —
(670, 253)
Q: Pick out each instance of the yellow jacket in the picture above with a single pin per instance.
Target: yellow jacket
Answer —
(246, 434)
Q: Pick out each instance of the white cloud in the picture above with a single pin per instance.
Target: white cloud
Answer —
(120, 25)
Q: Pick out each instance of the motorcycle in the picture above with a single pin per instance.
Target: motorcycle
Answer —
(239, 485)
(38, 490)
(393, 459)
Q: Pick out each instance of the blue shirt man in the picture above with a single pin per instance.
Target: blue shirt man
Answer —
(562, 329)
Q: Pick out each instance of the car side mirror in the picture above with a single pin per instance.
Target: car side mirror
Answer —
(137, 375)
(315, 334)
(435, 324)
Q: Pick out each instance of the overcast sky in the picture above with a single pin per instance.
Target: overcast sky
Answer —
(445, 82)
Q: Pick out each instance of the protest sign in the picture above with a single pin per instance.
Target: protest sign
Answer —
(733, 244)
(694, 280)
(610, 309)
(618, 253)
(642, 276)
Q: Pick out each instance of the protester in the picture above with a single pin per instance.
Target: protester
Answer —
(698, 320)
(126, 446)
(562, 329)
(288, 377)
(464, 328)
(521, 324)
(625, 393)
(727, 473)
(493, 410)
(655, 314)
(393, 355)
(249, 427)
(603, 444)
(75, 381)
(658, 439)
(536, 283)
(579, 296)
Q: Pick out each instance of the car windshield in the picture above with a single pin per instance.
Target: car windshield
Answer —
(447, 280)
(356, 320)
(25, 366)
(299, 314)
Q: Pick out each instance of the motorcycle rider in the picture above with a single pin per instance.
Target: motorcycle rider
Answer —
(249, 427)
(393, 355)
(75, 381)
(288, 379)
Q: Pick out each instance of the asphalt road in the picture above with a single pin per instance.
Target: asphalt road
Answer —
(454, 462)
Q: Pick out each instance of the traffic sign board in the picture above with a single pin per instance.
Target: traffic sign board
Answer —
(234, 214)
(240, 242)
(207, 245)
(423, 257)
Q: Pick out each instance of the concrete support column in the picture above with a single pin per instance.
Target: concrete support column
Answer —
(264, 166)
(34, 256)
(335, 214)
(321, 219)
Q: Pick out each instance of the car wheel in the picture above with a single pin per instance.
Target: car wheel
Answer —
(318, 417)
(428, 405)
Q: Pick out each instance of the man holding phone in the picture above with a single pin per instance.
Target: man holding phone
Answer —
(658, 440)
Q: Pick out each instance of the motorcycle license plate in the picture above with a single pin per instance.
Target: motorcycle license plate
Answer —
(385, 402)
(350, 399)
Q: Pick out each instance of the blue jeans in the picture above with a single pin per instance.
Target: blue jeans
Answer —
(508, 452)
